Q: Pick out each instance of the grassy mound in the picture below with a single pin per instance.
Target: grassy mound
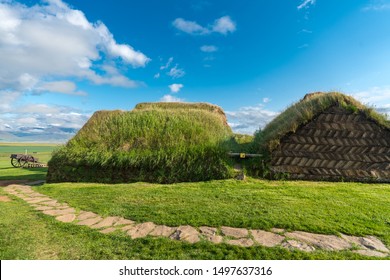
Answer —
(161, 142)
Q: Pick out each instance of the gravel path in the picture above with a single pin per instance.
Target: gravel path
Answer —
(296, 240)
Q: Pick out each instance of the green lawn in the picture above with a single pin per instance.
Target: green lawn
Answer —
(320, 207)
(28, 234)
(330, 208)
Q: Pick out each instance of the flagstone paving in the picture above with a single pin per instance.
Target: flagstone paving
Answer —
(4, 198)
(295, 244)
(234, 232)
(243, 242)
(186, 233)
(266, 238)
(326, 242)
(162, 231)
(107, 222)
(85, 215)
(68, 218)
(141, 230)
(296, 240)
(210, 234)
(90, 222)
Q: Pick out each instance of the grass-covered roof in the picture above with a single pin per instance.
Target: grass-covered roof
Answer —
(158, 142)
(305, 110)
(179, 105)
(153, 126)
(183, 106)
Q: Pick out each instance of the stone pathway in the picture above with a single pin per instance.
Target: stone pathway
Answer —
(4, 198)
(296, 240)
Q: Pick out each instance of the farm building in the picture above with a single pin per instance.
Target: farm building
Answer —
(328, 136)
(155, 142)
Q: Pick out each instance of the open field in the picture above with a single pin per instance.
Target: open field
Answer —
(318, 207)
(41, 151)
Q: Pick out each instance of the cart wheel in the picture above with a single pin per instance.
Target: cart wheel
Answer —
(25, 160)
(15, 162)
(22, 162)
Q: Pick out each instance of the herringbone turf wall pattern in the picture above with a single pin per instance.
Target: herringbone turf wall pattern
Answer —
(336, 145)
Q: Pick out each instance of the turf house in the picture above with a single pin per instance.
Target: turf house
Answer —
(327, 136)
(155, 142)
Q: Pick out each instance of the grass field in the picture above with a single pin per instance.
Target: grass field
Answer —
(41, 151)
(331, 208)
(27, 234)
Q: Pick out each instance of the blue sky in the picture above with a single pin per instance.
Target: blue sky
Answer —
(62, 60)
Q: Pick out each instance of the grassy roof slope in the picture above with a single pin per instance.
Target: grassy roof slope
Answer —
(150, 129)
(154, 142)
(183, 106)
(179, 105)
(305, 110)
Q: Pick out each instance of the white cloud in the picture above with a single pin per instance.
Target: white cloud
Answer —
(8, 99)
(306, 4)
(9, 22)
(373, 95)
(377, 7)
(249, 119)
(169, 62)
(66, 87)
(126, 52)
(52, 40)
(222, 25)
(54, 122)
(46, 48)
(190, 27)
(175, 88)
(27, 82)
(114, 80)
(37, 109)
(176, 72)
(208, 48)
(209, 58)
(266, 100)
(171, 98)
(305, 31)
(378, 97)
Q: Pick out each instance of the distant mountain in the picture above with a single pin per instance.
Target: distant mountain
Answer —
(52, 134)
(7, 137)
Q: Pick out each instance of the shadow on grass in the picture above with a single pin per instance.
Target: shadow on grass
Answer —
(40, 175)
(5, 168)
